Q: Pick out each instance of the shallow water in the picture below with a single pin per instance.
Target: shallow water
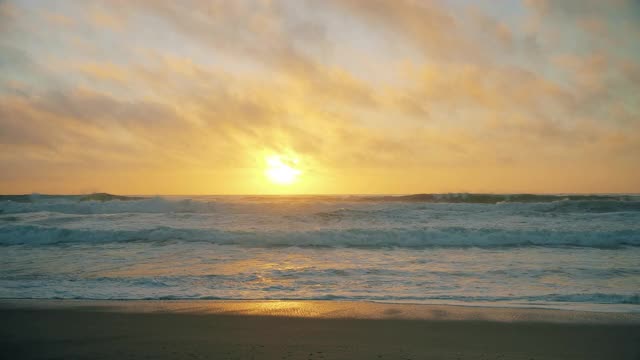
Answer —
(576, 254)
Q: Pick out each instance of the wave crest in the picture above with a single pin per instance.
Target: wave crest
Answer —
(367, 238)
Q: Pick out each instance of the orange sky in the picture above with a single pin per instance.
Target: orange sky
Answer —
(166, 97)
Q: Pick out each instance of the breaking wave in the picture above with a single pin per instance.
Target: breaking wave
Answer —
(103, 203)
(75, 205)
(14, 234)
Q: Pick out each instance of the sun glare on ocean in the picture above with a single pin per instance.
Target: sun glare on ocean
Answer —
(282, 170)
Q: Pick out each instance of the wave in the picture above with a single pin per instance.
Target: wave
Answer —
(470, 198)
(15, 234)
(591, 206)
(109, 197)
(546, 299)
(592, 298)
(79, 206)
(31, 198)
(350, 206)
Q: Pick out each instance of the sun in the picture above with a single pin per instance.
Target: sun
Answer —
(281, 170)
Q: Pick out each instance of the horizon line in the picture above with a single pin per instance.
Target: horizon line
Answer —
(330, 194)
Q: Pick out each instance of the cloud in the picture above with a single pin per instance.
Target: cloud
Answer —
(180, 88)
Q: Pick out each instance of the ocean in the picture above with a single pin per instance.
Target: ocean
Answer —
(551, 251)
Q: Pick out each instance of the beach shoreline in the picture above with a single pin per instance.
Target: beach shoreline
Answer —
(39, 329)
(333, 309)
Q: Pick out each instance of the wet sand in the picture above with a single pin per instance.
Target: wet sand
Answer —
(307, 330)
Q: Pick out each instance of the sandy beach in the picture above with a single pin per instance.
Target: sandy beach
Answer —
(307, 330)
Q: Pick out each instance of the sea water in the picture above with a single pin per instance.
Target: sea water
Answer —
(571, 252)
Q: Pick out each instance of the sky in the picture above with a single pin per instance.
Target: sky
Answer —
(353, 96)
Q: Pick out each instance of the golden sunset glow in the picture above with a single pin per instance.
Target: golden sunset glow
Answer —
(281, 170)
(373, 96)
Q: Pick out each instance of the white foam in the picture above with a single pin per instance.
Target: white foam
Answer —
(371, 238)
